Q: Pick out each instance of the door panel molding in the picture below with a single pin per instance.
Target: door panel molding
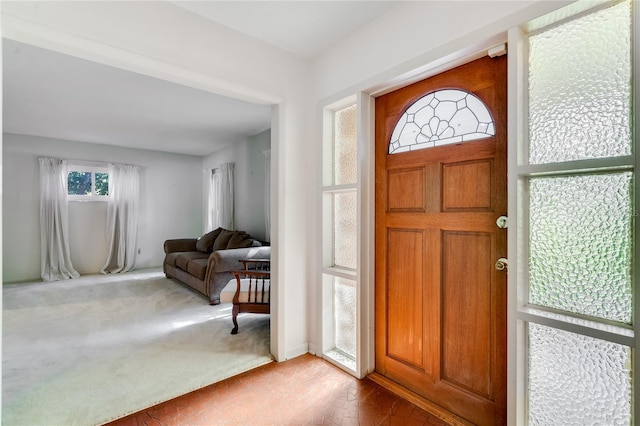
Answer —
(407, 191)
(465, 306)
(473, 178)
(405, 292)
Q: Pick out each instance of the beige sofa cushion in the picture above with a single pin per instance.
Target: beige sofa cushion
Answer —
(170, 258)
(183, 259)
(222, 240)
(205, 243)
(240, 239)
(197, 268)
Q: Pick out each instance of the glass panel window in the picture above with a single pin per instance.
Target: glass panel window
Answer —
(579, 248)
(79, 183)
(340, 235)
(440, 118)
(87, 183)
(345, 228)
(345, 143)
(580, 244)
(102, 183)
(577, 380)
(345, 315)
(580, 88)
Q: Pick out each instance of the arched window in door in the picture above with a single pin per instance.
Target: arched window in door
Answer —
(440, 118)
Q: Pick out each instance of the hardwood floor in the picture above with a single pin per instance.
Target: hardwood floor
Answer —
(303, 391)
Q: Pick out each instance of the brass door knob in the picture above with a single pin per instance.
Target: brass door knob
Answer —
(502, 264)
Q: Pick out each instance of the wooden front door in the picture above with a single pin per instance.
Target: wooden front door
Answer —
(440, 302)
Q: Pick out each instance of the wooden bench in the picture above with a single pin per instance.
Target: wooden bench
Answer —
(256, 300)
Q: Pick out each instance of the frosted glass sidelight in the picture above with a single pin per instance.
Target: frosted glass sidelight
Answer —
(580, 244)
(441, 118)
(345, 315)
(580, 88)
(577, 380)
(345, 228)
(340, 226)
(345, 145)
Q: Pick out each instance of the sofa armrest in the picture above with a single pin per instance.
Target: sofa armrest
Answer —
(182, 244)
(229, 260)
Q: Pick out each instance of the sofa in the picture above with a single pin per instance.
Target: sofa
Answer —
(205, 264)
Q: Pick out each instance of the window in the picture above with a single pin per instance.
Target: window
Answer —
(85, 183)
(574, 245)
(340, 232)
(441, 118)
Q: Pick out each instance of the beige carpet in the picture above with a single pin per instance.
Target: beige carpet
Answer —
(90, 350)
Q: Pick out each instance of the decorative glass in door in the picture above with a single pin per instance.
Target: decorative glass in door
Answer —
(442, 117)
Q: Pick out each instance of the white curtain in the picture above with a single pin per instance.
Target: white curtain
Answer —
(225, 196)
(212, 213)
(267, 194)
(122, 218)
(55, 260)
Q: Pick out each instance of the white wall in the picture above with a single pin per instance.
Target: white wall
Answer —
(394, 46)
(248, 161)
(170, 204)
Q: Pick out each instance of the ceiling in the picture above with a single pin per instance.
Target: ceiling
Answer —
(64, 97)
(303, 28)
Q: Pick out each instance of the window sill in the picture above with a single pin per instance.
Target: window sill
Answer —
(340, 272)
(88, 199)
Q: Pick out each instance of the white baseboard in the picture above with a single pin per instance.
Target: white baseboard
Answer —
(297, 351)
(313, 350)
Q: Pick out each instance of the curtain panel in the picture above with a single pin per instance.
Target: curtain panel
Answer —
(225, 195)
(122, 218)
(219, 207)
(212, 213)
(55, 259)
(267, 194)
